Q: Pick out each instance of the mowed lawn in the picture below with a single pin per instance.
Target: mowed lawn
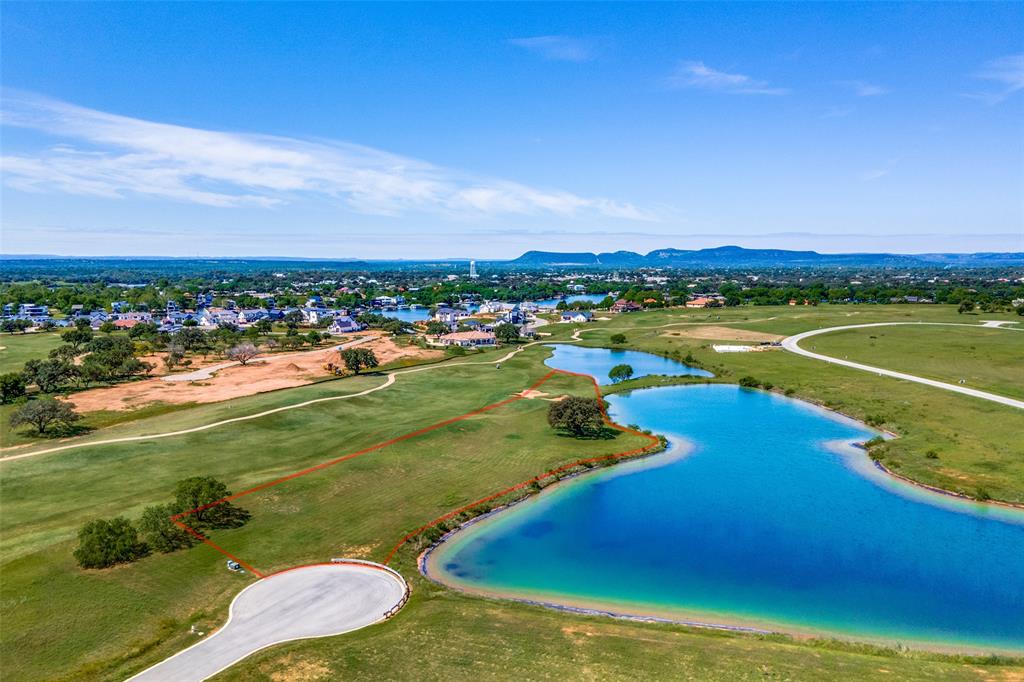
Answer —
(984, 358)
(17, 349)
(58, 618)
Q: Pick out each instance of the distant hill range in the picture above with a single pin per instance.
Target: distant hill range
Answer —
(738, 257)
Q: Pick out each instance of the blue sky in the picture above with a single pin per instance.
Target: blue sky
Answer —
(477, 130)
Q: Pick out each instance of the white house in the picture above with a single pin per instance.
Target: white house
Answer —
(576, 316)
(467, 339)
(343, 324)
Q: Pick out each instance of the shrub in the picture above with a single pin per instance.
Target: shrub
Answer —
(103, 543)
(931, 454)
(618, 338)
(160, 532)
(749, 382)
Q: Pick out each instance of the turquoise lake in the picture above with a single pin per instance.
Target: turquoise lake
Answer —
(763, 515)
(598, 361)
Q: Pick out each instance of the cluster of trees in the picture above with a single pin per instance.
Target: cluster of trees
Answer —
(581, 417)
(105, 542)
(385, 323)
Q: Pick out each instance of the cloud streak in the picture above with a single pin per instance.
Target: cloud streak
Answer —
(557, 48)
(1007, 72)
(695, 74)
(865, 89)
(111, 156)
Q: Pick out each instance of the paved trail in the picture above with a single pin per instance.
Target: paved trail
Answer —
(310, 601)
(391, 378)
(792, 345)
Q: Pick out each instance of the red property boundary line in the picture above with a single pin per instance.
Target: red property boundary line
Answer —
(177, 518)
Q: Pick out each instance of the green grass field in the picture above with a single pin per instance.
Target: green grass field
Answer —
(20, 348)
(63, 623)
(987, 359)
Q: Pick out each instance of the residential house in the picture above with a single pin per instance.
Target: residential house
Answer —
(120, 307)
(250, 315)
(468, 339)
(624, 306)
(577, 316)
(343, 324)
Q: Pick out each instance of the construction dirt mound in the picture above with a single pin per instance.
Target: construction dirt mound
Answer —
(275, 371)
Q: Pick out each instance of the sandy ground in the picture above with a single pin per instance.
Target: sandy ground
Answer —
(713, 332)
(531, 394)
(263, 374)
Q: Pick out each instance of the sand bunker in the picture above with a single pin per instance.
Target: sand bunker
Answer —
(267, 373)
(713, 332)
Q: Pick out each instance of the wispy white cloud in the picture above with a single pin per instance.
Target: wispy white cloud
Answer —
(112, 156)
(698, 75)
(885, 169)
(1007, 72)
(864, 89)
(560, 48)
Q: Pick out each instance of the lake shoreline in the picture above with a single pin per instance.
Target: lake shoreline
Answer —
(426, 563)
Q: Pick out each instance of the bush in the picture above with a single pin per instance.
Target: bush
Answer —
(103, 543)
(160, 532)
(618, 338)
(12, 387)
(749, 382)
(200, 491)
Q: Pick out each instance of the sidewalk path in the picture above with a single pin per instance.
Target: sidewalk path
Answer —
(792, 345)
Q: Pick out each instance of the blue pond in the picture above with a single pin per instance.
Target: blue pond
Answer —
(598, 361)
(552, 302)
(765, 515)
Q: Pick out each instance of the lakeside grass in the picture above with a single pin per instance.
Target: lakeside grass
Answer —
(987, 359)
(20, 348)
(60, 622)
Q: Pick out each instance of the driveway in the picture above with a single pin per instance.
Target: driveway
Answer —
(792, 345)
(310, 601)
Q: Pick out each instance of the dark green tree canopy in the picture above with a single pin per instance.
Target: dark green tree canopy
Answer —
(579, 416)
(620, 373)
(103, 543)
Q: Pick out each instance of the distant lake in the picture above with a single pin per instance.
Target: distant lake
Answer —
(765, 515)
(597, 362)
(408, 314)
(552, 302)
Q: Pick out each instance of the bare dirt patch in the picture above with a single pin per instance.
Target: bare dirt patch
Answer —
(290, 668)
(267, 373)
(715, 332)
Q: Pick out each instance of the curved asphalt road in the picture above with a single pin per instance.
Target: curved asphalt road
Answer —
(791, 344)
(301, 603)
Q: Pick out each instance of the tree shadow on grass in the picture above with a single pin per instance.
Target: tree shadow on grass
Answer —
(603, 433)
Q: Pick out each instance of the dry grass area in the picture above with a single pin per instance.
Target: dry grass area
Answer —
(268, 373)
(718, 333)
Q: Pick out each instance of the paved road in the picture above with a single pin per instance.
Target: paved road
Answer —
(306, 602)
(791, 344)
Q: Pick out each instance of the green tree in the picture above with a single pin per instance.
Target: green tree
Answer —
(436, 328)
(506, 332)
(965, 307)
(103, 543)
(618, 339)
(579, 416)
(108, 327)
(620, 373)
(357, 359)
(49, 375)
(263, 326)
(44, 413)
(200, 495)
(77, 337)
(12, 387)
(160, 532)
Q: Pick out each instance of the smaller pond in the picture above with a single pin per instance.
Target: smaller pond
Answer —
(597, 362)
(408, 314)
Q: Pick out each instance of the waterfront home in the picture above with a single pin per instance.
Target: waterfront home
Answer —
(577, 316)
(343, 324)
(450, 316)
(624, 306)
(468, 339)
